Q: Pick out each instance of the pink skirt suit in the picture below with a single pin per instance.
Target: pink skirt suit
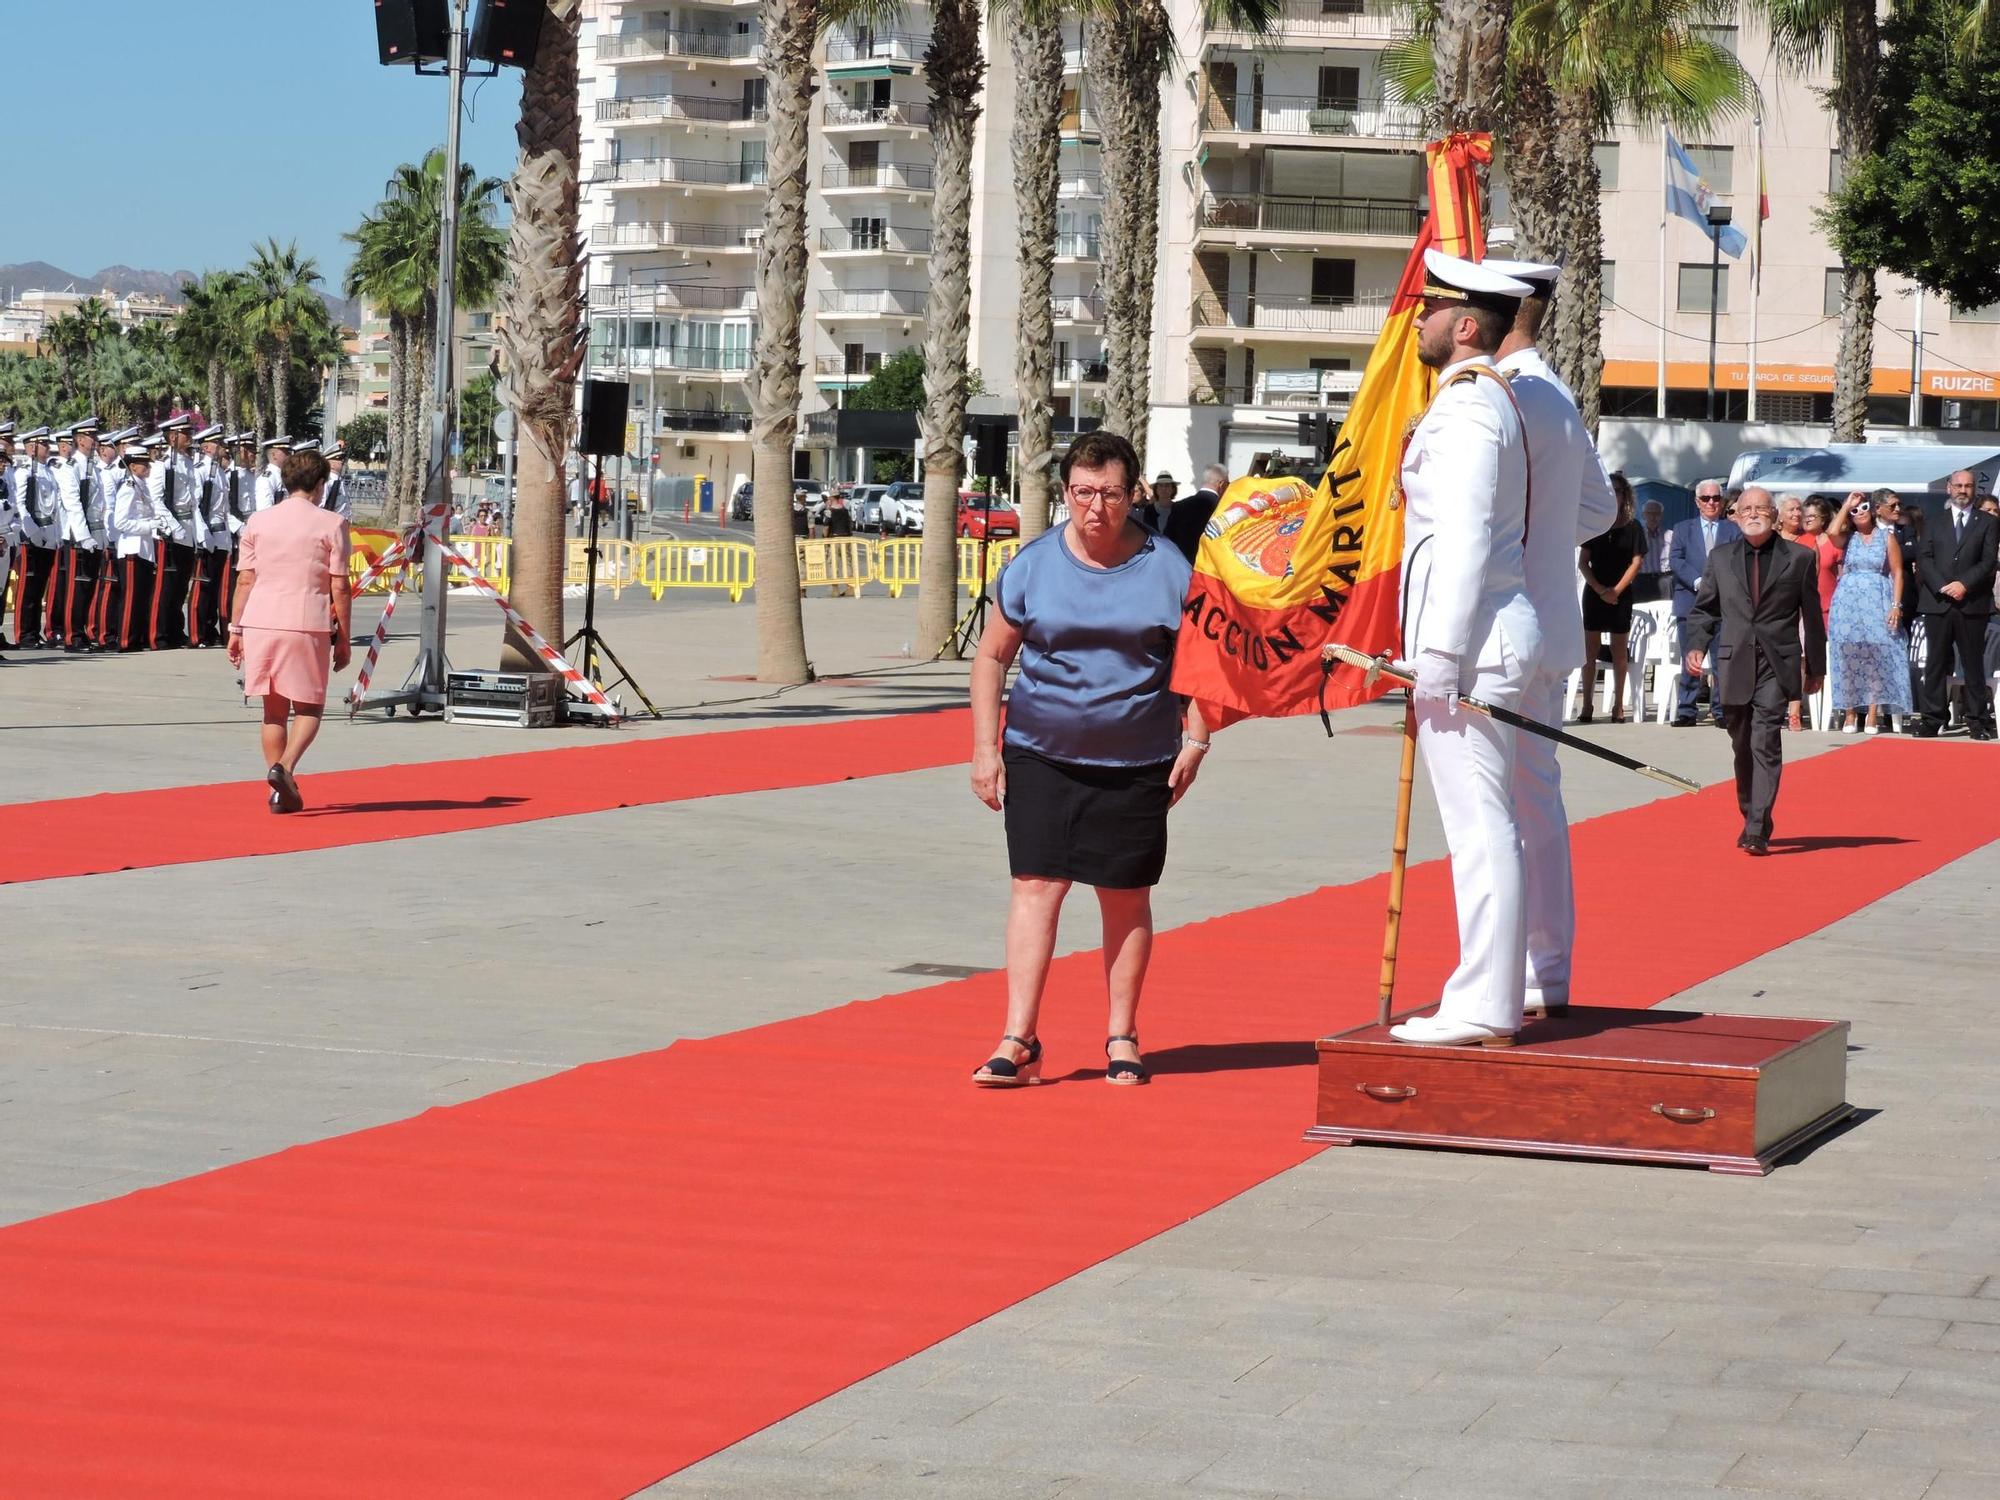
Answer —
(296, 550)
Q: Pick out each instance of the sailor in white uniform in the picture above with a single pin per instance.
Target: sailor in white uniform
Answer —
(1573, 502)
(1470, 627)
(271, 482)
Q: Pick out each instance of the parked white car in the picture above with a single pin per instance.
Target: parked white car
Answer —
(903, 507)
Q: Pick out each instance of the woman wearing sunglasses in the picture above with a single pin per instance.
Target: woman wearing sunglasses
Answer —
(1867, 663)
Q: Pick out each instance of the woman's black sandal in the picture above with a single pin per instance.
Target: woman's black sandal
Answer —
(1119, 1069)
(999, 1072)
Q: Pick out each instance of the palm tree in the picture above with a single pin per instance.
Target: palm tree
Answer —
(395, 268)
(1573, 68)
(1804, 35)
(541, 323)
(204, 334)
(790, 29)
(1037, 39)
(95, 327)
(280, 300)
(1469, 53)
(955, 65)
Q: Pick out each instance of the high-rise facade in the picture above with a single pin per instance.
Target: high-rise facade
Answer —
(1291, 192)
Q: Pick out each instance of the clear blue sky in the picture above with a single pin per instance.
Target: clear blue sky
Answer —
(220, 122)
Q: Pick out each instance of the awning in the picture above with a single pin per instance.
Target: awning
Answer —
(849, 71)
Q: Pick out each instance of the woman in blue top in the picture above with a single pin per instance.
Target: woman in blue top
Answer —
(1095, 752)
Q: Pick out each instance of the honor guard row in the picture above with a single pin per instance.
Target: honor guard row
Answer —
(113, 542)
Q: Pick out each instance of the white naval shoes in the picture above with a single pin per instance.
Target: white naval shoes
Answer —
(1546, 1002)
(1436, 1031)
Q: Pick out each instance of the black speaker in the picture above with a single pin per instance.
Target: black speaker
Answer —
(990, 455)
(605, 403)
(506, 32)
(408, 31)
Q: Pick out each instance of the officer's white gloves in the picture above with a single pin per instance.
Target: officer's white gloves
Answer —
(1437, 680)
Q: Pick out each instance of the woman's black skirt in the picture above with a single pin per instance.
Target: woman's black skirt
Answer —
(1096, 825)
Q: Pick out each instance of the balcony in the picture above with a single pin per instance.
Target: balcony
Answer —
(678, 171)
(897, 114)
(1314, 24)
(691, 109)
(835, 370)
(889, 303)
(1080, 185)
(1076, 247)
(1300, 390)
(644, 301)
(674, 359)
(1080, 125)
(1247, 318)
(1081, 372)
(668, 235)
(669, 44)
(1309, 117)
(880, 239)
(1226, 216)
(875, 55)
(678, 419)
(1077, 309)
(913, 178)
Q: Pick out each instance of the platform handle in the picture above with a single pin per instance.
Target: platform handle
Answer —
(1386, 1090)
(1683, 1116)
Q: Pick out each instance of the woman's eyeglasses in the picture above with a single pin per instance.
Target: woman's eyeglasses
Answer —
(1085, 494)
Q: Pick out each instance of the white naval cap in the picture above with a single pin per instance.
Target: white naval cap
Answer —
(35, 435)
(1454, 277)
(135, 454)
(1541, 276)
(282, 440)
(211, 434)
(177, 424)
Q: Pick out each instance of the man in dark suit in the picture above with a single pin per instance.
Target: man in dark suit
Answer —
(1687, 560)
(1954, 567)
(1759, 596)
(1189, 516)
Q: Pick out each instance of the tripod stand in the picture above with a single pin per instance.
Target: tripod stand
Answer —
(592, 638)
(965, 635)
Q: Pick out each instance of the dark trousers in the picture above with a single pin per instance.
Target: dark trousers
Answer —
(1955, 631)
(34, 567)
(104, 600)
(204, 595)
(168, 627)
(71, 607)
(1687, 689)
(1756, 733)
(225, 605)
(132, 606)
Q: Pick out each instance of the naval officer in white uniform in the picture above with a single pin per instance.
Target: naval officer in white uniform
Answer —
(1470, 627)
(1573, 502)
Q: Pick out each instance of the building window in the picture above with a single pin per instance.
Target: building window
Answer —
(1716, 166)
(1835, 295)
(1340, 88)
(1694, 284)
(1332, 283)
(1607, 282)
(1605, 154)
(1990, 313)
(1836, 170)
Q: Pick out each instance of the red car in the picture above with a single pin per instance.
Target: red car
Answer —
(973, 519)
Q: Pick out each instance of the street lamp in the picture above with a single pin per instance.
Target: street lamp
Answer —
(1718, 220)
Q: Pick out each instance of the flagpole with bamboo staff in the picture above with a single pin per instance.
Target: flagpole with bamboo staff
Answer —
(1660, 324)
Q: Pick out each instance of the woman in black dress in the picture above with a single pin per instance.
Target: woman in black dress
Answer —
(1609, 563)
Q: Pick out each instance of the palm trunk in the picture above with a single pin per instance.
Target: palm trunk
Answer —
(1469, 56)
(790, 29)
(1126, 63)
(1856, 93)
(215, 408)
(1037, 147)
(417, 376)
(232, 397)
(543, 325)
(956, 65)
(1575, 340)
(281, 385)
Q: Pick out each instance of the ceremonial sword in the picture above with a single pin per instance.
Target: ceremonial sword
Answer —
(1379, 666)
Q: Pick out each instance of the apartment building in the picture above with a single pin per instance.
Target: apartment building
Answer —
(1291, 193)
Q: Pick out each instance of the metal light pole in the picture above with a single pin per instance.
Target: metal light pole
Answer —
(426, 686)
(1718, 217)
(1917, 359)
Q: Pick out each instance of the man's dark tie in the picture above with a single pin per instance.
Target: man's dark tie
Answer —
(1957, 524)
(1756, 578)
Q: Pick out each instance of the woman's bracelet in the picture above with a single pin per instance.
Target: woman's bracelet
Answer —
(1188, 739)
(236, 630)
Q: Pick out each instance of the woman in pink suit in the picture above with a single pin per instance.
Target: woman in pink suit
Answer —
(292, 606)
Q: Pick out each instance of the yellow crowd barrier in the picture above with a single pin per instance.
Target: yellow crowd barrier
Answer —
(617, 563)
(730, 566)
(898, 562)
(838, 563)
(493, 556)
(997, 556)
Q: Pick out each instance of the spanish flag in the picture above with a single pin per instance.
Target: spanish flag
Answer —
(1284, 569)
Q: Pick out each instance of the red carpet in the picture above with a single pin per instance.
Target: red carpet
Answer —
(189, 824)
(580, 1285)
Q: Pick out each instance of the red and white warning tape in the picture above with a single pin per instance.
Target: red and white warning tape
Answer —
(381, 638)
(549, 655)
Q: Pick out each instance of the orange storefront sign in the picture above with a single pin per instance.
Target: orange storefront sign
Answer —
(1734, 375)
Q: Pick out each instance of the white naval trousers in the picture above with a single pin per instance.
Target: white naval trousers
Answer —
(1472, 764)
(1550, 898)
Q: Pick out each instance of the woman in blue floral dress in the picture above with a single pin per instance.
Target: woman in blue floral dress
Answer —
(1868, 662)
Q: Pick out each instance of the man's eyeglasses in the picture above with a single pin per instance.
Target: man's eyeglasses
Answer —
(1716, 498)
(1085, 494)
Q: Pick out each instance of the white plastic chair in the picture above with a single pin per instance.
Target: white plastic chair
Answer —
(1602, 677)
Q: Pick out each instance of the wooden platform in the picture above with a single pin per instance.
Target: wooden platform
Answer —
(1730, 1093)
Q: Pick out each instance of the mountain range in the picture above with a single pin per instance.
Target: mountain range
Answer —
(29, 275)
